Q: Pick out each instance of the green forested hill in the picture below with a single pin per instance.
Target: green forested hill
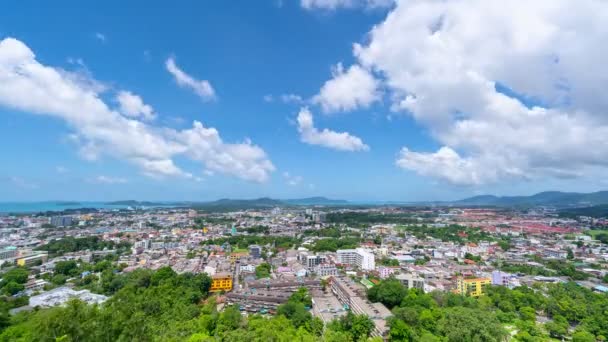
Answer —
(165, 306)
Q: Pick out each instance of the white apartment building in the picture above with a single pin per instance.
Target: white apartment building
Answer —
(323, 270)
(360, 257)
(8, 253)
(411, 281)
(247, 268)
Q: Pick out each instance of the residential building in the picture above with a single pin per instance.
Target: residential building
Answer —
(504, 279)
(314, 260)
(157, 245)
(310, 261)
(323, 270)
(411, 281)
(8, 253)
(353, 296)
(261, 301)
(473, 287)
(33, 259)
(284, 285)
(145, 244)
(327, 307)
(319, 217)
(255, 251)
(237, 256)
(360, 257)
(61, 221)
(35, 284)
(386, 271)
(347, 256)
(221, 282)
(247, 268)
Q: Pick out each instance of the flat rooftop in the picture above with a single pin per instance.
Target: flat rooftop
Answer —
(327, 306)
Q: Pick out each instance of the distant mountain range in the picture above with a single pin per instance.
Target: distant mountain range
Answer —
(227, 203)
(316, 201)
(547, 198)
(569, 203)
(137, 203)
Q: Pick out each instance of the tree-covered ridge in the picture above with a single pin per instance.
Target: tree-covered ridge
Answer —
(165, 306)
(71, 244)
(569, 310)
(244, 241)
(148, 303)
(548, 269)
(364, 219)
(452, 233)
(162, 305)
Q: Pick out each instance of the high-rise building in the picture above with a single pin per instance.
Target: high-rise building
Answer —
(360, 257)
(310, 261)
(314, 260)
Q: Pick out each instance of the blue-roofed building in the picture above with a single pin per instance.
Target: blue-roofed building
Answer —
(601, 288)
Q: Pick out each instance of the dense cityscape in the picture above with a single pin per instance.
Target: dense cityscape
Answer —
(332, 273)
(303, 171)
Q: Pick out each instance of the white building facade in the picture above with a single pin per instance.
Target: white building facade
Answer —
(360, 257)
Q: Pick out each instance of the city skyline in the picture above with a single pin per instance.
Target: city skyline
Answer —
(347, 99)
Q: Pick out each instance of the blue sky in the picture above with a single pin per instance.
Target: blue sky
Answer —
(253, 54)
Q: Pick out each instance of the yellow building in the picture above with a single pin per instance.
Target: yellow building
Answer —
(474, 287)
(236, 256)
(32, 259)
(221, 282)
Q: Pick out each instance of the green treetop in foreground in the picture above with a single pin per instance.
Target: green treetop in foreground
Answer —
(164, 306)
(499, 315)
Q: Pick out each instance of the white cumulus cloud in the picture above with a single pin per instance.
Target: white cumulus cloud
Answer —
(132, 105)
(348, 90)
(508, 89)
(202, 88)
(26, 85)
(342, 141)
(243, 160)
